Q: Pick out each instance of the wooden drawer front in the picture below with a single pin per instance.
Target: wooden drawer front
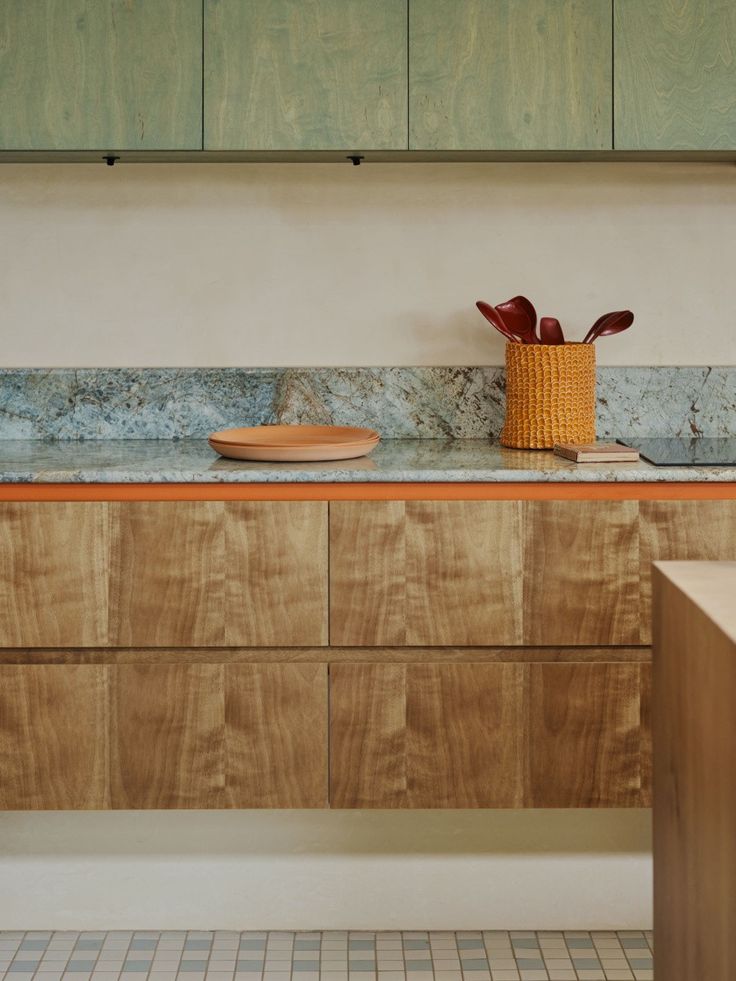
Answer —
(484, 573)
(584, 735)
(163, 574)
(426, 735)
(215, 573)
(486, 735)
(425, 573)
(682, 531)
(163, 736)
(581, 572)
(53, 574)
(53, 737)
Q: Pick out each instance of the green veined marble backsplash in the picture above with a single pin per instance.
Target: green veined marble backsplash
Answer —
(423, 403)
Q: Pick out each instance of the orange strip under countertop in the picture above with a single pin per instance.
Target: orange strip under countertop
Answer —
(578, 491)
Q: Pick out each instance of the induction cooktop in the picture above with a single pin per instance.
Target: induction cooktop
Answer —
(703, 451)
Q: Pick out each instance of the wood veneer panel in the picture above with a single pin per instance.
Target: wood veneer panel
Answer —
(305, 74)
(500, 74)
(368, 573)
(277, 578)
(53, 574)
(584, 731)
(53, 737)
(426, 735)
(107, 74)
(167, 574)
(276, 735)
(368, 735)
(695, 761)
(674, 75)
(581, 572)
(425, 573)
(681, 531)
(463, 572)
(167, 736)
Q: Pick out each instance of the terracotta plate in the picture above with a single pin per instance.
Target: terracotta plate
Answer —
(281, 444)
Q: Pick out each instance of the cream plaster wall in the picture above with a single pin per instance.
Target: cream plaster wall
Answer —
(324, 264)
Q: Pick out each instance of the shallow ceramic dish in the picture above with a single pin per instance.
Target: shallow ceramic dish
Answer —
(284, 444)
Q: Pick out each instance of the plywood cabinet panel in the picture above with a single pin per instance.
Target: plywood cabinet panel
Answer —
(682, 531)
(505, 75)
(53, 574)
(581, 572)
(101, 74)
(487, 735)
(305, 74)
(584, 733)
(167, 583)
(53, 737)
(276, 735)
(277, 581)
(167, 736)
(674, 72)
(425, 572)
(426, 735)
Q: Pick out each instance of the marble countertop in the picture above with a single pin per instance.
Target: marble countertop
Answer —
(150, 461)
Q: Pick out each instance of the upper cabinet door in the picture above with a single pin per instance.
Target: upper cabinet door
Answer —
(675, 75)
(100, 74)
(305, 74)
(510, 75)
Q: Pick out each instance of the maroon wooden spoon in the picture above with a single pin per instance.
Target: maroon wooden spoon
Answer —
(609, 323)
(550, 331)
(494, 317)
(520, 317)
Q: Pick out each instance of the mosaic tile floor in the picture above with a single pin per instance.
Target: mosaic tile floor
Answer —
(222, 955)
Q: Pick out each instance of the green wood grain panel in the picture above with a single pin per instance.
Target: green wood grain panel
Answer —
(305, 74)
(100, 74)
(675, 75)
(510, 75)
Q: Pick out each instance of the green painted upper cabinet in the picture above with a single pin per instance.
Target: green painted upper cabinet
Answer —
(675, 70)
(510, 75)
(305, 74)
(100, 74)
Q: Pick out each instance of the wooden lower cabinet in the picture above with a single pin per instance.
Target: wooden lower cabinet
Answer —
(163, 736)
(487, 735)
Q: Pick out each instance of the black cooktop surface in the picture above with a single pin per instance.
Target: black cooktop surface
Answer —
(684, 452)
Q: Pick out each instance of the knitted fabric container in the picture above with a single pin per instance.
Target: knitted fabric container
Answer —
(550, 395)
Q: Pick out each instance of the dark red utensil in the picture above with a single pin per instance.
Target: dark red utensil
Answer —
(520, 317)
(494, 317)
(550, 331)
(609, 323)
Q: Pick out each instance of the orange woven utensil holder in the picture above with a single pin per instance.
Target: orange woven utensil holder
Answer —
(550, 395)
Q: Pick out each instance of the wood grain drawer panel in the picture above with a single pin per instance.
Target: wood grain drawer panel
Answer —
(584, 735)
(276, 573)
(426, 735)
(53, 574)
(167, 585)
(425, 573)
(167, 736)
(581, 572)
(53, 737)
(682, 531)
(276, 735)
